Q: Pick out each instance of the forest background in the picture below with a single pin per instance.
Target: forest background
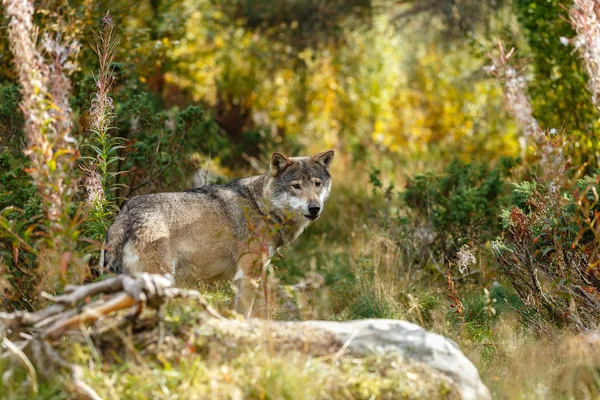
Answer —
(465, 193)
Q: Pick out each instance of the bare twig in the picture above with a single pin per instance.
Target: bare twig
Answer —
(78, 293)
(120, 302)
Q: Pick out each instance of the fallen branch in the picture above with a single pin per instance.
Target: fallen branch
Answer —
(43, 329)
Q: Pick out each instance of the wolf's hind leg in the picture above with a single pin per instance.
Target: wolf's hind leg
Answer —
(156, 258)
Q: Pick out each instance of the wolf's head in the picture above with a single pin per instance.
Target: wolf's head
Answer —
(300, 184)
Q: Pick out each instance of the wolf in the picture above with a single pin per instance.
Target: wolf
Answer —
(220, 232)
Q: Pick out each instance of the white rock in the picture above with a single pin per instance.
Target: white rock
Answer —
(412, 342)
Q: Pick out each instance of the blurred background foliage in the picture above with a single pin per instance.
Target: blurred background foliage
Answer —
(361, 75)
(306, 73)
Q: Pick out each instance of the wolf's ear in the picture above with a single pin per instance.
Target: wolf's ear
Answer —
(324, 159)
(279, 163)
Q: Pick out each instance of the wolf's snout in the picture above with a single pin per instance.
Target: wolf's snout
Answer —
(314, 209)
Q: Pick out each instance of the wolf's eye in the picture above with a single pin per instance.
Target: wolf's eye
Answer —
(296, 186)
(317, 183)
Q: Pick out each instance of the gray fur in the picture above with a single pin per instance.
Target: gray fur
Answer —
(219, 231)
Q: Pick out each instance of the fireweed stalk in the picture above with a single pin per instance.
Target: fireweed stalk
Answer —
(550, 144)
(585, 19)
(99, 179)
(515, 94)
(45, 90)
(43, 68)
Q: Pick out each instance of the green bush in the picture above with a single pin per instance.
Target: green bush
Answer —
(11, 119)
(460, 204)
(161, 142)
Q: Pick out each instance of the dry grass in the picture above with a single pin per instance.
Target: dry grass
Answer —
(526, 366)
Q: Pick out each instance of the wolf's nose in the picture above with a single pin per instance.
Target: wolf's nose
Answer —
(314, 210)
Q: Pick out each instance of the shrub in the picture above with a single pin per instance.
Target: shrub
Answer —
(159, 142)
(460, 204)
(549, 250)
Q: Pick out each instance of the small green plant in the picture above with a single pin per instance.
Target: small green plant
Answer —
(20, 213)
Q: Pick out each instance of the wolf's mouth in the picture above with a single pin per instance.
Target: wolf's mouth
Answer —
(311, 217)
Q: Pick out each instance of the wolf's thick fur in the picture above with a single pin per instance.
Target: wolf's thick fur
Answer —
(220, 231)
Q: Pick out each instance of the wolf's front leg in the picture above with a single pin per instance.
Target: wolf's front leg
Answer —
(246, 291)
